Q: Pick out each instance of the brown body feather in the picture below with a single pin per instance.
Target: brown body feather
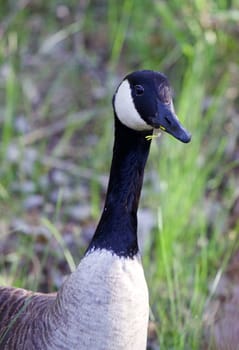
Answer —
(22, 312)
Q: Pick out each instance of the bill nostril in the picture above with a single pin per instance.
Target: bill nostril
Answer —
(168, 121)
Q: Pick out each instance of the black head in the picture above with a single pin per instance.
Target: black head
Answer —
(143, 101)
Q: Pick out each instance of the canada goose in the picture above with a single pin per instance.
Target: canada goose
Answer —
(103, 305)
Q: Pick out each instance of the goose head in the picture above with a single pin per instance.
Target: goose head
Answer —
(143, 101)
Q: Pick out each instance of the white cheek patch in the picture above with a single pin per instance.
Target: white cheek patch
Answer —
(125, 109)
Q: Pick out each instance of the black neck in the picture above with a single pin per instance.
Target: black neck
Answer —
(117, 229)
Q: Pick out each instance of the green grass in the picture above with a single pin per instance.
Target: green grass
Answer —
(195, 45)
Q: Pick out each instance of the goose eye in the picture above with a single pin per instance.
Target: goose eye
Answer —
(139, 90)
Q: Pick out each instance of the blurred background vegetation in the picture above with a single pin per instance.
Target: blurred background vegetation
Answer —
(60, 62)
